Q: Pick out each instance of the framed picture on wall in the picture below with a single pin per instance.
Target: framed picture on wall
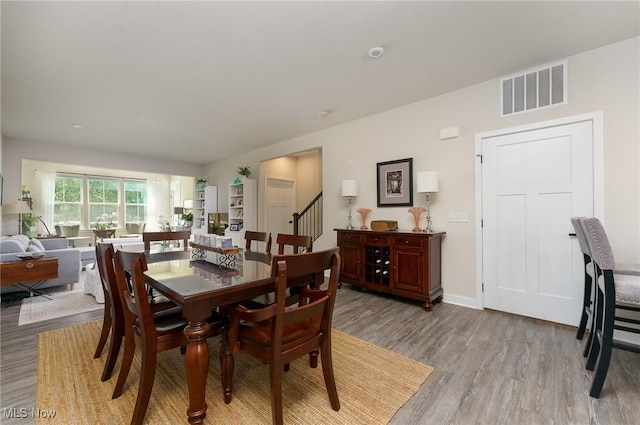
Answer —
(395, 183)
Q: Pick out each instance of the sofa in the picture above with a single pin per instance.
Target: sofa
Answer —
(87, 253)
(69, 262)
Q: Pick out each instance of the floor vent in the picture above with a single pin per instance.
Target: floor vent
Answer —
(534, 89)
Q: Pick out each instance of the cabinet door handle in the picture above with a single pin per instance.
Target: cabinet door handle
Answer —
(29, 265)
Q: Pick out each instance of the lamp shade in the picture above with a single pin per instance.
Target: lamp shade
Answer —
(427, 181)
(349, 188)
(18, 207)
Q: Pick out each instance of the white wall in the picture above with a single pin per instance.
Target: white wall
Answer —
(603, 79)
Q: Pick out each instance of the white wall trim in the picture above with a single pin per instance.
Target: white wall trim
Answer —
(597, 119)
(458, 300)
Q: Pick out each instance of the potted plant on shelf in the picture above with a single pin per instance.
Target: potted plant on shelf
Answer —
(201, 182)
(188, 219)
(244, 171)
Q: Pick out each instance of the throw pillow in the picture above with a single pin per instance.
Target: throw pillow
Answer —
(37, 243)
(33, 248)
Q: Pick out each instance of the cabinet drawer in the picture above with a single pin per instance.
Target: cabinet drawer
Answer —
(376, 239)
(349, 237)
(411, 241)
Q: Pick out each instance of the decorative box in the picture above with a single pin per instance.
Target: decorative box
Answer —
(384, 225)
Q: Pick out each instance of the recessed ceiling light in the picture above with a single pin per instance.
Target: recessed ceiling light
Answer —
(76, 126)
(324, 113)
(376, 52)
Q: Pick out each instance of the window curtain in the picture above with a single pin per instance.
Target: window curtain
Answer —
(153, 187)
(44, 196)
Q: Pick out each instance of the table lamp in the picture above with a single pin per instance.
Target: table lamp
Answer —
(178, 211)
(349, 189)
(428, 183)
(19, 207)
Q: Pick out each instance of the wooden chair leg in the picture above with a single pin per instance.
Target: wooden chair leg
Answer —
(327, 372)
(594, 348)
(586, 304)
(275, 373)
(127, 359)
(106, 329)
(115, 343)
(606, 345)
(147, 376)
(313, 358)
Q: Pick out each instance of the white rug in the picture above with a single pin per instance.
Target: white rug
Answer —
(62, 303)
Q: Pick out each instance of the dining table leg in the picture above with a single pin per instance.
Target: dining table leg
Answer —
(196, 364)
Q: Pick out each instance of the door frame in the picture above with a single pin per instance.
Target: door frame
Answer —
(596, 119)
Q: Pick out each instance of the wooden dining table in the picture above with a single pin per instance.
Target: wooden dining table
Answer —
(199, 286)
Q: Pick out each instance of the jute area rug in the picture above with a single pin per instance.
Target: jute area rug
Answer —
(373, 383)
(62, 302)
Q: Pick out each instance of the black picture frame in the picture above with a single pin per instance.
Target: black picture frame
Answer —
(395, 183)
(233, 227)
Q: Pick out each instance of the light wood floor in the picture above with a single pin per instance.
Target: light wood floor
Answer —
(490, 367)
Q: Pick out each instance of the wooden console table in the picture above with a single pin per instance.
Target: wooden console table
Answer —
(406, 264)
(19, 272)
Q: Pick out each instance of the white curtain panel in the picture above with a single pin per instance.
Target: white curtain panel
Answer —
(153, 187)
(44, 196)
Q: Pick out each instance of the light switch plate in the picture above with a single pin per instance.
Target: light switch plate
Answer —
(458, 217)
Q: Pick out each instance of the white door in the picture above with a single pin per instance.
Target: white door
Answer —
(280, 208)
(533, 182)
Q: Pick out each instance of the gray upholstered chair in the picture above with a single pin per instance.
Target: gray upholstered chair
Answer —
(615, 293)
(135, 228)
(68, 230)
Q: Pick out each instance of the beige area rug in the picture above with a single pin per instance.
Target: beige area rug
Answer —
(62, 303)
(373, 383)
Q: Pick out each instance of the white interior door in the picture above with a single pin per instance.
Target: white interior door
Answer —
(533, 182)
(280, 198)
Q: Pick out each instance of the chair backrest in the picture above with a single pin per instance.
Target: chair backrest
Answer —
(135, 228)
(580, 234)
(129, 268)
(296, 241)
(318, 309)
(599, 245)
(182, 235)
(104, 258)
(259, 237)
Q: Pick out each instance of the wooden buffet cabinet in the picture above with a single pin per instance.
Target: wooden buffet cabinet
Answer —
(406, 264)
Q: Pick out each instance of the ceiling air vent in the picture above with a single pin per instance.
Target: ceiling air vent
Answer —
(534, 89)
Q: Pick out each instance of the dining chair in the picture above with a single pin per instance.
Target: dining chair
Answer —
(250, 236)
(278, 335)
(154, 332)
(295, 241)
(613, 292)
(587, 298)
(181, 235)
(113, 317)
(135, 228)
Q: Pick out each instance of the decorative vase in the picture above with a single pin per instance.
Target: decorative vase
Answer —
(364, 212)
(417, 212)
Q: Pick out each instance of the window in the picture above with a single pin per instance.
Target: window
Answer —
(104, 197)
(135, 201)
(68, 199)
(95, 199)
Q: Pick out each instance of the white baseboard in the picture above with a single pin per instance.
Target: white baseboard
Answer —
(458, 300)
